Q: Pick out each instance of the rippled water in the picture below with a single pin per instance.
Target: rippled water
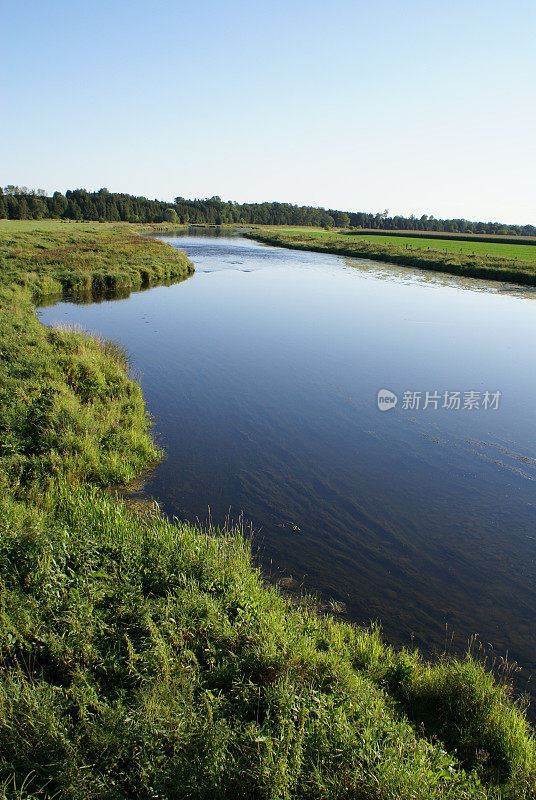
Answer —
(262, 372)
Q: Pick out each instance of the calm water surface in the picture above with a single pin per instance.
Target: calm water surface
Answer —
(262, 371)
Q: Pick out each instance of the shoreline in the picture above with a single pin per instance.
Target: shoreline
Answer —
(466, 267)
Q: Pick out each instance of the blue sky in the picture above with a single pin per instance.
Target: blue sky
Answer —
(418, 107)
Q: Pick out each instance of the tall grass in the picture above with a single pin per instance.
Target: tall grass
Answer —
(85, 260)
(147, 659)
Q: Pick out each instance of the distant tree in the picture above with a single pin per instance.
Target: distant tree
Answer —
(19, 207)
(170, 215)
(36, 206)
(58, 205)
(73, 210)
(112, 212)
(20, 203)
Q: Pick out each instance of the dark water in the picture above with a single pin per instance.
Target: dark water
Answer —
(262, 372)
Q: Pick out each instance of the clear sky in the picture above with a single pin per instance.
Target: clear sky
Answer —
(422, 106)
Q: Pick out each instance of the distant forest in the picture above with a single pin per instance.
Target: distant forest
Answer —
(18, 202)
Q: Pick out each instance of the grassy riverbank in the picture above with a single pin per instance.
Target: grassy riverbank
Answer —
(68, 406)
(475, 259)
(85, 259)
(145, 659)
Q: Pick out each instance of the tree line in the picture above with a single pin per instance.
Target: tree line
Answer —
(78, 204)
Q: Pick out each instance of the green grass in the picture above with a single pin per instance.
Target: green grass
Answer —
(493, 261)
(524, 252)
(147, 659)
(454, 243)
(86, 259)
(68, 405)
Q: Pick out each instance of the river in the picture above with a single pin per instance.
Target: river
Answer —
(262, 374)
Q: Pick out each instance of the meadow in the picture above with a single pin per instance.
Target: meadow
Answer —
(472, 258)
(524, 252)
(147, 658)
(477, 244)
(80, 259)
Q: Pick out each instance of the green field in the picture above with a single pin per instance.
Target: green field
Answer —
(146, 659)
(523, 252)
(472, 263)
